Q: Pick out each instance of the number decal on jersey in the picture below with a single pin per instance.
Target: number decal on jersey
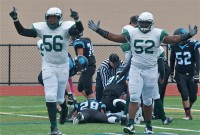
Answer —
(140, 49)
(93, 105)
(56, 45)
(91, 51)
(41, 49)
(183, 58)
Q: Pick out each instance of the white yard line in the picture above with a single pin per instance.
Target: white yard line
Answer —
(23, 115)
(177, 129)
(170, 108)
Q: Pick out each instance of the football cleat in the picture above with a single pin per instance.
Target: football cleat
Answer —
(129, 128)
(148, 130)
(55, 131)
(188, 118)
(167, 121)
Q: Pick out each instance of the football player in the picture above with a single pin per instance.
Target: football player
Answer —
(186, 55)
(55, 68)
(91, 111)
(84, 47)
(126, 46)
(144, 42)
(113, 92)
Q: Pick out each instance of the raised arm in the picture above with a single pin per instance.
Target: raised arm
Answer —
(20, 29)
(75, 16)
(182, 37)
(108, 35)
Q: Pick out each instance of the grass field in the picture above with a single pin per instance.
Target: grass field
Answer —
(26, 115)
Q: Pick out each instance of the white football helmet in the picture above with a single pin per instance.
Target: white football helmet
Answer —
(145, 22)
(54, 11)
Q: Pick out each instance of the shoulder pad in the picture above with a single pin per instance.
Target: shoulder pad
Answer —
(39, 25)
(68, 24)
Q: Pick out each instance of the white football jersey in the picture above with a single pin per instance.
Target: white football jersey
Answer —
(145, 47)
(160, 51)
(55, 42)
(40, 47)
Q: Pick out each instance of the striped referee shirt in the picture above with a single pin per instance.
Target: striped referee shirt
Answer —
(106, 71)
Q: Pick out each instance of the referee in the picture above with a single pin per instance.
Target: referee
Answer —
(106, 70)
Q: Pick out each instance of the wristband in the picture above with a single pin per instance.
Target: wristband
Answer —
(102, 32)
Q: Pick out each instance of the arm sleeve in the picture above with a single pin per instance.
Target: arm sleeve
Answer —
(161, 67)
(172, 61)
(196, 56)
(25, 32)
(126, 69)
(79, 26)
(79, 44)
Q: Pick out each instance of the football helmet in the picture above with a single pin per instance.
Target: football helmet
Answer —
(181, 31)
(145, 22)
(53, 23)
(81, 63)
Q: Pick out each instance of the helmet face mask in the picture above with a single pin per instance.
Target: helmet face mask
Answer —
(145, 22)
(53, 17)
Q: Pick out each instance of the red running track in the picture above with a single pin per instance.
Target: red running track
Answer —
(38, 90)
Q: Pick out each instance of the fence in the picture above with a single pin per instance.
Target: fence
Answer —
(21, 64)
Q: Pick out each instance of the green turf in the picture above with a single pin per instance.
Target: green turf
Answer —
(28, 116)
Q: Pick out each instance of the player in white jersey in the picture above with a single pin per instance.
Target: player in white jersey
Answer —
(55, 67)
(125, 46)
(143, 75)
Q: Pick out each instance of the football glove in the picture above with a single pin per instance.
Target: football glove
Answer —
(193, 31)
(74, 14)
(190, 34)
(93, 26)
(97, 29)
(70, 99)
(172, 77)
(13, 14)
(196, 78)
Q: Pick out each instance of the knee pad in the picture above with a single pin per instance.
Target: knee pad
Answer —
(118, 100)
(193, 99)
(134, 98)
(50, 97)
(147, 101)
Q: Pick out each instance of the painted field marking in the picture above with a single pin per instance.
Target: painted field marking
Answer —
(23, 115)
(169, 108)
(36, 116)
